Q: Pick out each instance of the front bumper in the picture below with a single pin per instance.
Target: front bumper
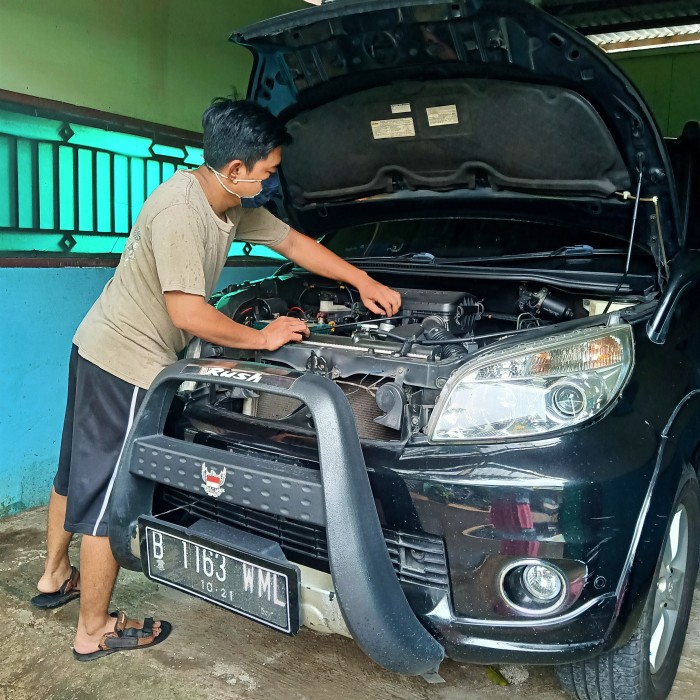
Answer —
(338, 497)
(490, 505)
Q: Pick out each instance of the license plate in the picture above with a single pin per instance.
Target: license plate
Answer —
(261, 589)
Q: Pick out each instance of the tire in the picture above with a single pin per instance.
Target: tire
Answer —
(645, 668)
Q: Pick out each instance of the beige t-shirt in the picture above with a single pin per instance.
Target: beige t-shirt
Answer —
(176, 244)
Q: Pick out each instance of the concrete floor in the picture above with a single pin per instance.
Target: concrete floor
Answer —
(213, 654)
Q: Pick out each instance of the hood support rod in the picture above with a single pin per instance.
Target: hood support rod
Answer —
(637, 199)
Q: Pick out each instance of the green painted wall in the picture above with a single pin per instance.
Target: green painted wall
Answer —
(669, 79)
(158, 60)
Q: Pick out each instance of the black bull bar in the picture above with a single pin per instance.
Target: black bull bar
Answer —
(370, 597)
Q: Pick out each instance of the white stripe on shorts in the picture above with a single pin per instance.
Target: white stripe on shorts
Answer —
(114, 473)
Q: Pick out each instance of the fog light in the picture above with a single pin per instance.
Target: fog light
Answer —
(533, 586)
(542, 583)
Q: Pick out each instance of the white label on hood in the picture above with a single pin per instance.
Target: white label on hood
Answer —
(401, 109)
(441, 116)
(393, 128)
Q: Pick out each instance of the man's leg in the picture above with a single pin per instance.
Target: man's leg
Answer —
(98, 572)
(104, 410)
(57, 567)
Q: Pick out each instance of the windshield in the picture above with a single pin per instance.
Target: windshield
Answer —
(460, 238)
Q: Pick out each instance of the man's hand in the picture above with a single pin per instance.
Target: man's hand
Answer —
(316, 258)
(190, 313)
(283, 330)
(379, 298)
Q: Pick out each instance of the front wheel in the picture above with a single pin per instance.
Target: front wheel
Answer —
(645, 668)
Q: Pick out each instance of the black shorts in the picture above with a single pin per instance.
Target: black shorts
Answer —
(99, 413)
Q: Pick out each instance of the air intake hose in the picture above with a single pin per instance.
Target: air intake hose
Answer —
(433, 331)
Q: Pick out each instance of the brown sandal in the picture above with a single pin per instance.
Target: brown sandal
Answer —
(127, 638)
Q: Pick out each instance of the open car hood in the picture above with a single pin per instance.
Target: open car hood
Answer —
(493, 106)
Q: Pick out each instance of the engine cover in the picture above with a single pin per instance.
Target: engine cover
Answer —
(456, 310)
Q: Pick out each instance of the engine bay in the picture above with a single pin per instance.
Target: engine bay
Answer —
(391, 369)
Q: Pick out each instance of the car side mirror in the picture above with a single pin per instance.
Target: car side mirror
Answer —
(685, 273)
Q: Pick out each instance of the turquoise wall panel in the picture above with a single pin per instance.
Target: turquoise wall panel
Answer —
(42, 308)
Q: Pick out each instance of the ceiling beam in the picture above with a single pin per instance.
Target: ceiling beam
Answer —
(574, 7)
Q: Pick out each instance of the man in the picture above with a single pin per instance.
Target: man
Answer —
(146, 314)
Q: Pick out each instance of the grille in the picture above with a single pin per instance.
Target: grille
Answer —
(418, 559)
(362, 402)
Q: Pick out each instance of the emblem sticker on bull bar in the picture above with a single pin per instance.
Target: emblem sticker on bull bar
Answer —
(252, 377)
(213, 480)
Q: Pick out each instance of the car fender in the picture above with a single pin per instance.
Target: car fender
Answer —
(674, 467)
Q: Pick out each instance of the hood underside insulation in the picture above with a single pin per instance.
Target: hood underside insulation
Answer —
(452, 133)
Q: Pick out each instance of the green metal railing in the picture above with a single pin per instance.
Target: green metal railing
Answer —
(62, 181)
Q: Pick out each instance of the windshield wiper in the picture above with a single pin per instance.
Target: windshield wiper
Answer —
(576, 251)
(422, 258)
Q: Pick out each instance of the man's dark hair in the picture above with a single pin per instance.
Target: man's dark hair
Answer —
(240, 130)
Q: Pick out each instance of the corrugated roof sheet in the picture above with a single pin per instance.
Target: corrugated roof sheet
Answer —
(638, 35)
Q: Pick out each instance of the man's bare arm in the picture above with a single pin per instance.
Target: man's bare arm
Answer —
(192, 314)
(316, 258)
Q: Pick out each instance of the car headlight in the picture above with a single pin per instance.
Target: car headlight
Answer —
(534, 388)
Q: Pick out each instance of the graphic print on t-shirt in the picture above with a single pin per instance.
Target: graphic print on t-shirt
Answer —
(132, 244)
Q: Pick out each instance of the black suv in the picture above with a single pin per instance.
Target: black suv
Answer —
(507, 470)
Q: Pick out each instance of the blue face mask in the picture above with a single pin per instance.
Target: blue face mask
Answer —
(270, 186)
